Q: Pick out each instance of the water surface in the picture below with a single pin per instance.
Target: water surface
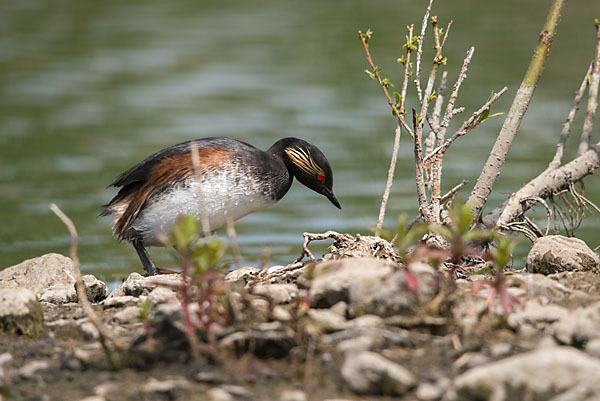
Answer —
(88, 89)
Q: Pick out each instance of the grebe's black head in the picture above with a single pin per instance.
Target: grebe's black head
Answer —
(309, 165)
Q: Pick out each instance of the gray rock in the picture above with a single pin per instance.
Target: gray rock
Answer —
(242, 274)
(127, 315)
(5, 358)
(39, 274)
(88, 330)
(238, 392)
(59, 294)
(367, 321)
(368, 285)
(137, 285)
(327, 320)
(20, 312)
(277, 293)
(281, 314)
(578, 326)
(370, 373)
(558, 373)
(161, 295)
(432, 391)
(364, 342)
(555, 253)
(536, 315)
(166, 388)
(117, 302)
(95, 289)
(218, 394)
(592, 348)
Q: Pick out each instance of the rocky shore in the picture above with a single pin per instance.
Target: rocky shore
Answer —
(350, 328)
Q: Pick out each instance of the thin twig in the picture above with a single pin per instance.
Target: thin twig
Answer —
(420, 51)
(103, 333)
(566, 128)
(452, 193)
(548, 210)
(467, 125)
(384, 86)
(590, 112)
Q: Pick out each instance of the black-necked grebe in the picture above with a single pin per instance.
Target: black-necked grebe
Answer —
(232, 179)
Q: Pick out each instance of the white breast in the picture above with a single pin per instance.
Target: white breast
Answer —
(222, 198)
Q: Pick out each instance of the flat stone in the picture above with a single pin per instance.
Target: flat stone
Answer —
(536, 315)
(59, 294)
(550, 373)
(556, 253)
(368, 285)
(364, 342)
(166, 387)
(39, 274)
(293, 395)
(161, 295)
(327, 320)
(277, 293)
(217, 394)
(137, 285)
(20, 312)
(370, 373)
(31, 368)
(127, 315)
(117, 302)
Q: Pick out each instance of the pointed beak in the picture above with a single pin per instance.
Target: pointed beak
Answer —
(329, 194)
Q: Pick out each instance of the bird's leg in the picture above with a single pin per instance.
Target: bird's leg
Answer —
(147, 262)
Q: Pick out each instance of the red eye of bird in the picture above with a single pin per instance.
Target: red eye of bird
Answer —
(321, 177)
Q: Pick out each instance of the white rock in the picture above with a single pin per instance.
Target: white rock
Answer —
(369, 321)
(536, 315)
(559, 373)
(20, 312)
(555, 253)
(592, 348)
(39, 274)
(370, 373)
(365, 342)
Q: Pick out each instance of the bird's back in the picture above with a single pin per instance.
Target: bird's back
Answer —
(231, 179)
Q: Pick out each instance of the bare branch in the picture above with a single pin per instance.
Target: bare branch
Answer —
(491, 170)
(566, 128)
(590, 112)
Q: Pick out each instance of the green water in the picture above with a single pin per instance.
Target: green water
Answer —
(89, 88)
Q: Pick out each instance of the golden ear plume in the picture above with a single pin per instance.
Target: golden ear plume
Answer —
(302, 158)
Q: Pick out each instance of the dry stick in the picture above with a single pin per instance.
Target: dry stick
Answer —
(493, 166)
(566, 128)
(420, 51)
(590, 112)
(103, 333)
(450, 194)
(424, 207)
(198, 175)
(398, 131)
(438, 158)
(435, 116)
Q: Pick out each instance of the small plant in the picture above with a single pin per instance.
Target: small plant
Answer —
(201, 261)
